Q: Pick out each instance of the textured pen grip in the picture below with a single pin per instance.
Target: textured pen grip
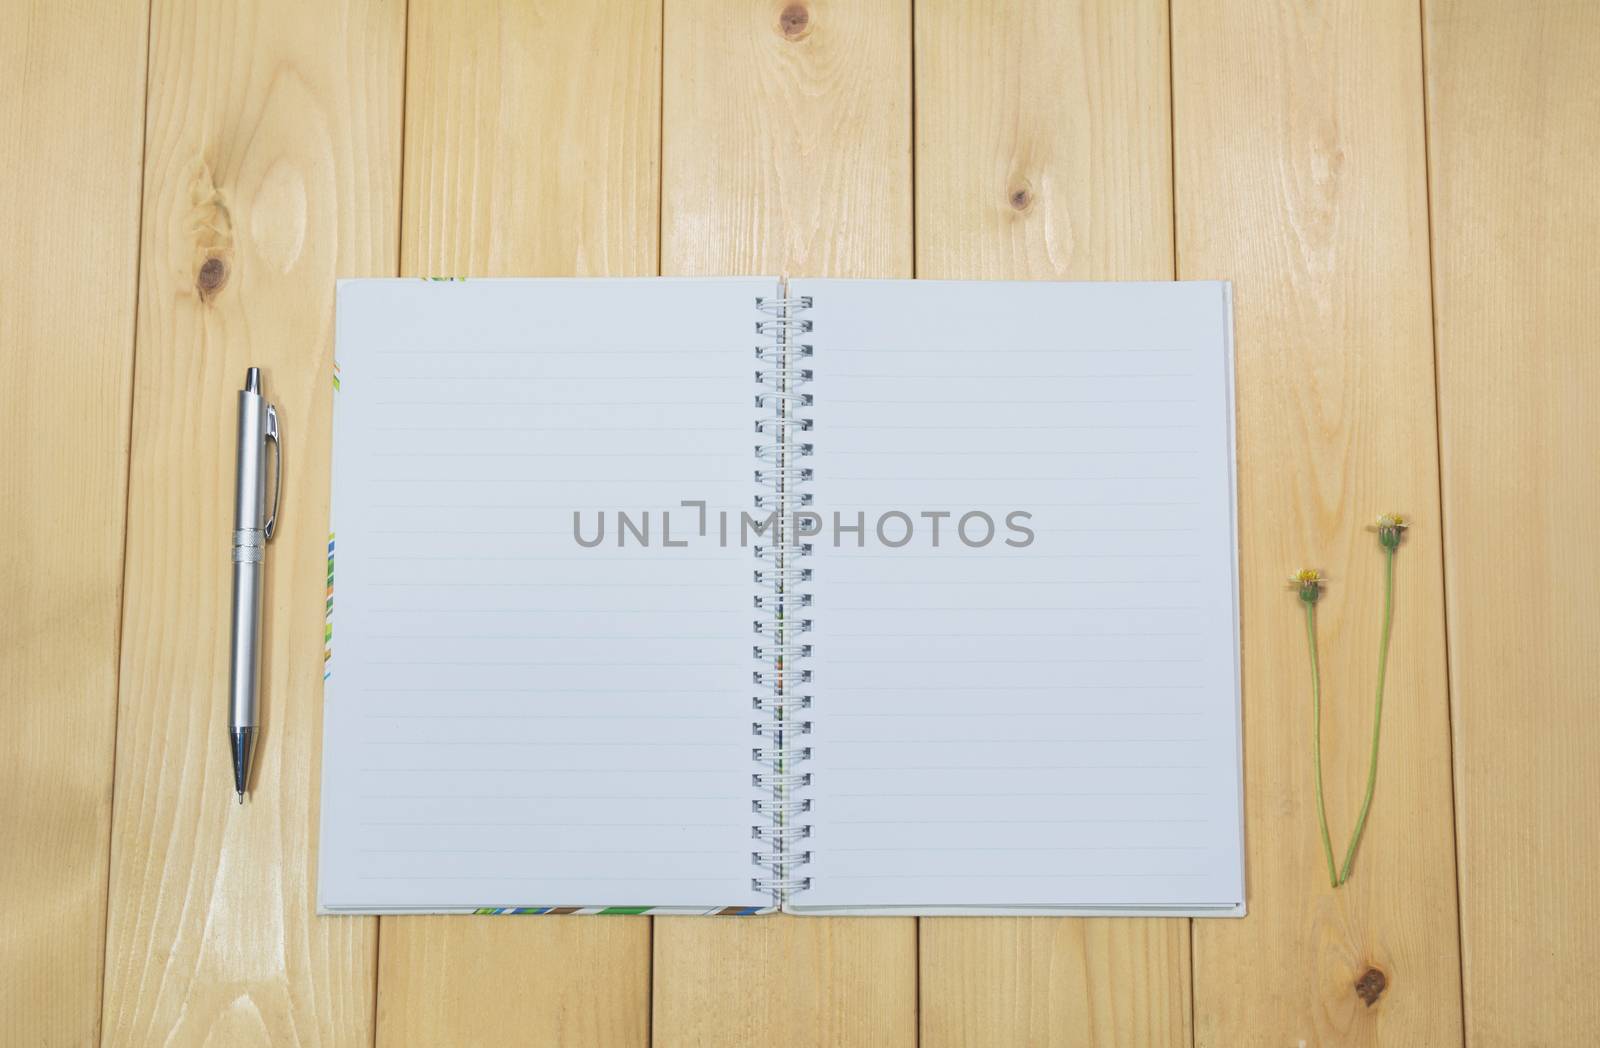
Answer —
(247, 543)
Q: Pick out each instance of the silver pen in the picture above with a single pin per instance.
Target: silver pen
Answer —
(253, 525)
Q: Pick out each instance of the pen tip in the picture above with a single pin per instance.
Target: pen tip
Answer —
(241, 796)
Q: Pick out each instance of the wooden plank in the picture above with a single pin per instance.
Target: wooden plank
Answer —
(785, 981)
(1044, 151)
(532, 139)
(1044, 147)
(786, 143)
(72, 76)
(1300, 174)
(1514, 144)
(531, 150)
(1055, 981)
(272, 167)
(514, 980)
(786, 149)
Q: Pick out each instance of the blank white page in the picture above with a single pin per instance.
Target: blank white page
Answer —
(1046, 727)
(512, 719)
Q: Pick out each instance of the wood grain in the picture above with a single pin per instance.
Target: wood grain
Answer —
(1044, 151)
(1514, 144)
(785, 981)
(531, 150)
(786, 143)
(1055, 981)
(272, 155)
(532, 139)
(1300, 174)
(72, 76)
(492, 981)
(1044, 148)
(786, 148)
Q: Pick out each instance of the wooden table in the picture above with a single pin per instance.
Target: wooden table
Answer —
(1407, 201)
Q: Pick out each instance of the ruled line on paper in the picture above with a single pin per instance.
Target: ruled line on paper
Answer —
(564, 610)
(452, 690)
(1035, 427)
(587, 824)
(567, 506)
(545, 770)
(1014, 454)
(1118, 875)
(542, 584)
(990, 716)
(563, 745)
(547, 481)
(525, 851)
(1028, 793)
(647, 664)
(986, 502)
(597, 556)
(566, 403)
(911, 737)
(842, 583)
(1013, 634)
(989, 350)
(1011, 402)
(550, 351)
(1007, 687)
(602, 424)
(1006, 822)
(1014, 607)
(1003, 660)
(557, 717)
(456, 376)
(632, 798)
(475, 454)
(541, 878)
(1114, 531)
(439, 635)
(952, 769)
(524, 532)
(876, 478)
(979, 849)
(833, 375)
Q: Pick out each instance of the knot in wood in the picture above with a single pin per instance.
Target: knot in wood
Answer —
(795, 21)
(212, 276)
(1371, 986)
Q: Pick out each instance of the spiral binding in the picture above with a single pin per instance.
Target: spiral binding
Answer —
(781, 697)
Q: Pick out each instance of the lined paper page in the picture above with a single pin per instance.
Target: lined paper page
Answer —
(1046, 725)
(513, 719)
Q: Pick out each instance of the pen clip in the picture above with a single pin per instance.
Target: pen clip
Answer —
(277, 468)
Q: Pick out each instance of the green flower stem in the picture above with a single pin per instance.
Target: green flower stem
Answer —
(1316, 736)
(1377, 713)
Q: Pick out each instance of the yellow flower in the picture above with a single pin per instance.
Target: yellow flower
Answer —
(1390, 527)
(1309, 582)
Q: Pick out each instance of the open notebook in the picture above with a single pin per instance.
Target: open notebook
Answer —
(983, 659)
